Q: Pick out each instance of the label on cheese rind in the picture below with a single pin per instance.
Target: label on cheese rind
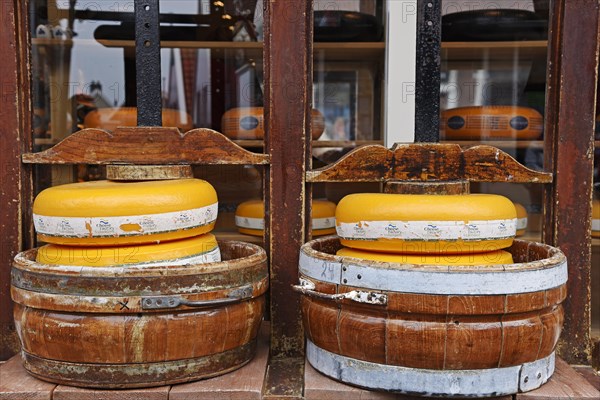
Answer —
(259, 223)
(117, 226)
(428, 230)
(521, 223)
(323, 223)
(249, 223)
(596, 224)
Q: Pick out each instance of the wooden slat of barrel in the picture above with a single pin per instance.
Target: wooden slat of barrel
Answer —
(321, 323)
(473, 342)
(362, 335)
(552, 323)
(415, 303)
(406, 339)
(522, 336)
(477, 305)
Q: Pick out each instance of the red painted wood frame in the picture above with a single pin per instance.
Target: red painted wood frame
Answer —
(569, 155)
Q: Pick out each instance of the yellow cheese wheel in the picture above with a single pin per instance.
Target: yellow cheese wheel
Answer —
(196, 250)
(596, 219)
(110, 118)
(250, 217)
(491, 122)
(488, 258)
(248, 123)
(431, 224)
(521, 219)
(105, 213)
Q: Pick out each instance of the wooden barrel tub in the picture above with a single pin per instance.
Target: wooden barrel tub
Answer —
(128, 326)
(431, 330)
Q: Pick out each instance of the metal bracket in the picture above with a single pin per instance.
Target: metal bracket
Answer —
(147, 62)
(169, 302)
(306, 287)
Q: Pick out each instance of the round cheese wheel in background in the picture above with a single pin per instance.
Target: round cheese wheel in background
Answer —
(250, 217)
(196, 250)
(110, 118)
(488, 258)
(430, 224)
(108, 213)
(596, 218)
(247, 123)
(521, 219)
(491, 123)
(493, 23)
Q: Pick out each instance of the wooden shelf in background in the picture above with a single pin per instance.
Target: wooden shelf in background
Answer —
(240, 237)
(496, 51)
(315, 143)
(340, 51)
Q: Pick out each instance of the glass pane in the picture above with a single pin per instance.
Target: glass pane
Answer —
(493, 87)
(83, 76)
(348, 67)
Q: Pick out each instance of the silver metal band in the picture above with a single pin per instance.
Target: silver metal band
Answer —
(427, 382)
(434, 280)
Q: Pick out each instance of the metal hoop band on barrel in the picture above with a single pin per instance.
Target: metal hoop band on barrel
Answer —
(428, 382)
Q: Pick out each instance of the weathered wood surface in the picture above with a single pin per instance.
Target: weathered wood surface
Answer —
(145, 146)
(320, 387)
(88, 326)
(421, 162)
(284, 378)
(245, 383)
(288, 97)
(74, 393)
(148, 172)
(564, 384)
(591, 375)
(17, 384)
(15, 136)
(442, 187)
(568, 154)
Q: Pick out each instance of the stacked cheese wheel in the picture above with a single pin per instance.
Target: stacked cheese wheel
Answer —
(470, 229)
(250, 217)
(522, 219)
(105, 223)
